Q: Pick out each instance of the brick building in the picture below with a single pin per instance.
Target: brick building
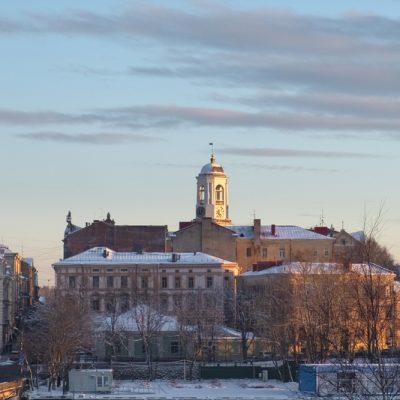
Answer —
(106, 233)
(18, 291)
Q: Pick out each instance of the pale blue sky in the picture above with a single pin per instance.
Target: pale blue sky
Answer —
(110, 106)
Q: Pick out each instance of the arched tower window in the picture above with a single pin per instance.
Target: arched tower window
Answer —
(202, 191)
(219, 194)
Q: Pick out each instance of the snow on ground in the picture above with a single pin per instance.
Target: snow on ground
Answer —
(175, 389)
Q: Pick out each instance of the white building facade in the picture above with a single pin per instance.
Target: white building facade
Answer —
(111, 280)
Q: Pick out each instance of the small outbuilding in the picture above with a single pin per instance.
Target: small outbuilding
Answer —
(360, 379)
(90, 380)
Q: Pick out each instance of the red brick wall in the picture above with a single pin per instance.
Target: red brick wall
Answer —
(116, 237)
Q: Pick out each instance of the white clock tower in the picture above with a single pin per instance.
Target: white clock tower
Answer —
(212, 193)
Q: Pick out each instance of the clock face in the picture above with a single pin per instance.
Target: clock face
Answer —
(220, 212)
(200, 211)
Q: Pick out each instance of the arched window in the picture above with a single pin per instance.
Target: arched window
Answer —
(219, 194)
(202, 191)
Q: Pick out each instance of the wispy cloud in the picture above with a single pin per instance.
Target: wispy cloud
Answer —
(173, 116)
(293, 153)
(291, 168)
(89, 138)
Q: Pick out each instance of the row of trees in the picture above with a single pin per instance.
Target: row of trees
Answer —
(55, 332)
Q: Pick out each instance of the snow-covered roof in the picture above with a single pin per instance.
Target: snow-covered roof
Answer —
(359, 235)
(28, 260)
(318, 268)
(127, 322)
(106, 256)
(4, 249)
(281, 232)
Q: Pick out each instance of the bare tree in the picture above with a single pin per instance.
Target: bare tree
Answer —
(246, 311)
(149, 323)
(59, 329)
(200, 317)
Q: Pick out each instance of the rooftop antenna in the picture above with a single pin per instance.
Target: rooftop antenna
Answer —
(254, 214)
(322, 221)
(342, 225)
(212, 151)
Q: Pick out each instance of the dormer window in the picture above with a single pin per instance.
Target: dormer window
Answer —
(219, 194)
(202, 191)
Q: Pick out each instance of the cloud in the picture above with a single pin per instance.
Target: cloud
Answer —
(295, 168)
(89, 138)
(217, 27)
(293, 153)
(271, 49)
(174, 116)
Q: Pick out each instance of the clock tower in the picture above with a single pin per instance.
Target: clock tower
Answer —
(212, 193)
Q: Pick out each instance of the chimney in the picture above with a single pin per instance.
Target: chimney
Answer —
(175, 257)
(273, 230)
(257, 229)
(347, 266)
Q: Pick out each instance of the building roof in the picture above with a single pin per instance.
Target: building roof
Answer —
(359, 235)
(106, 256)
(281, 232)
(127, 322)
(4, 249)
(319, 268)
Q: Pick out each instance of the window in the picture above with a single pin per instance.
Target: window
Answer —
(95, 282)
(346, 381)
(177, 282)
(226, 281)
(177, 301)
(164, 282)
(315, 252)
(174, 347)
(209, 281)
(202, 194)
(124, 281)
(282, 252)
(219, 194)
(145, 282)
(96, 305)
(191, 282)
(72, 282)
(110, 305)
(110, 281)
(164, 303)
(102, 381)
(124, 303)
(326, 252)
(265, 252)
(248, 252)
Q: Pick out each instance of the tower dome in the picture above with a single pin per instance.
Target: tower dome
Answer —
(212, 167)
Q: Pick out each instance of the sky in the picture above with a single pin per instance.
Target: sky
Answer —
(110, 106)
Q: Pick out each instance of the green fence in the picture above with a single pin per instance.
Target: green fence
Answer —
(248, 372)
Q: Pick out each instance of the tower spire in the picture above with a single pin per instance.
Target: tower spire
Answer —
(212, 159)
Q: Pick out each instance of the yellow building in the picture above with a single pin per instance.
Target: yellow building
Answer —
(320, 309)
(251, 246)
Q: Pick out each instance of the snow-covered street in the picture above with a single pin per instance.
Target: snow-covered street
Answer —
(212, 389)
